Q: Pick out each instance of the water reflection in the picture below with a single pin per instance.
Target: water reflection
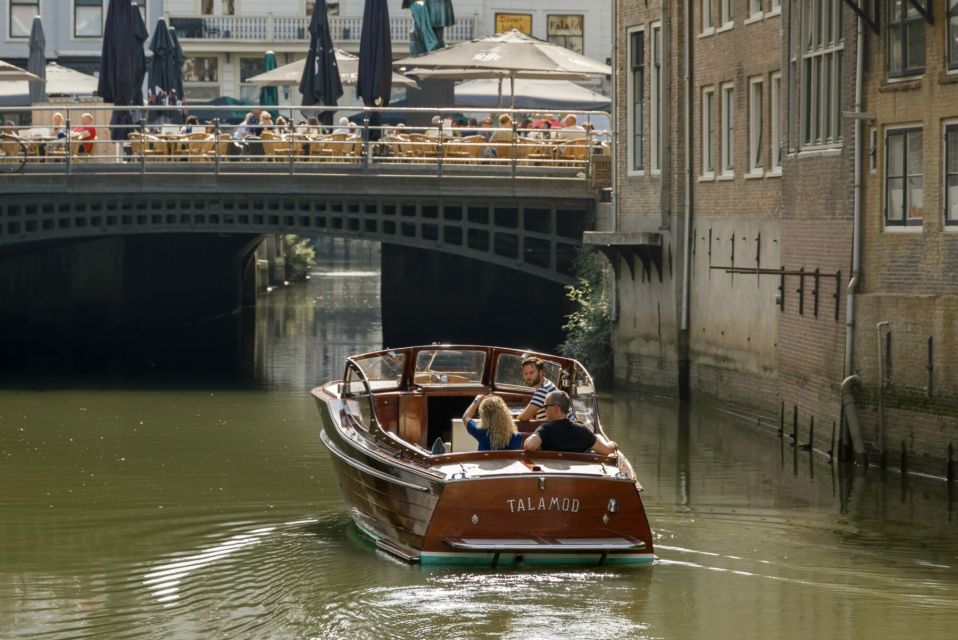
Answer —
(207, 509)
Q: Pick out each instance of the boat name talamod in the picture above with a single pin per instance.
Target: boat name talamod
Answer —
(543, 504)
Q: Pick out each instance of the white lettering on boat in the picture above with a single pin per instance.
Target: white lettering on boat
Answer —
(553, 504)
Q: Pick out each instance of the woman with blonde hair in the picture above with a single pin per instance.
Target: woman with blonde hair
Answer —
(498, 431)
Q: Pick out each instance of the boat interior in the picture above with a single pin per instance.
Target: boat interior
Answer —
(419, 394)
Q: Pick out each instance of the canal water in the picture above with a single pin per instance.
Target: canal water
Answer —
(185, 506)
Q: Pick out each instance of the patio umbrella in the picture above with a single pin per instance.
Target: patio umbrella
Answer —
(117, 83)
(268, 95)
(141, 35)
(37, 62)
(512, 53)
(374, 85)
(442, 16)
(61, 81)
(10, 73)
(423, 38)
(559, 95)
(320, 80)
(346, 63)
(178, 66)
(162, 84)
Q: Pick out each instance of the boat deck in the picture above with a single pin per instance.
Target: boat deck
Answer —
(499, 467)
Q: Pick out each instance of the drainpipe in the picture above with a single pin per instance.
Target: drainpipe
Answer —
(615, 136)
(686, 127)
(848, 399)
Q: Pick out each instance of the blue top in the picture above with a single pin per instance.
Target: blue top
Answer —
(483, 437)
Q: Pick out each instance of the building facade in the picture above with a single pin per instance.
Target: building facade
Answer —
(73, 29)
(741, 120)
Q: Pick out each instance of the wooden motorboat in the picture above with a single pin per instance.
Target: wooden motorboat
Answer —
(414, 483)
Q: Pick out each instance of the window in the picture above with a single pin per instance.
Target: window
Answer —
(775, 103)
(775, 7)
(728, 129)
(201, 77)
(708, 18)
(21, 17)
(953, 34)
(655, 99)
(951, 174)
(821, 76)
(88, 18)
(906, 39)
(566, 31)
(227, 7)
(708, 132)
(637, 99)
(206, 7)
(250, 67)
(754, 9)
(332, 8)
(727, 9)
(904, 181)
(756, 124)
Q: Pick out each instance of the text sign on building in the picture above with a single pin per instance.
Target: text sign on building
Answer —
(509, 21)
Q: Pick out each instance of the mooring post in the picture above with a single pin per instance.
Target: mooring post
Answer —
(795, 424)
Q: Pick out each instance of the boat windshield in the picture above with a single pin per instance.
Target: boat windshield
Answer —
(384, 370)
(450, 366)
(509, 371)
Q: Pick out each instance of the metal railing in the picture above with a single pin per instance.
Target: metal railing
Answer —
(154, 143)
(271, 28)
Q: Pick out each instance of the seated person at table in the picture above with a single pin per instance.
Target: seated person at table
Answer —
(502, 135)
(192, 125)
(498, 431)
(433, 131)
(245, 129)
(85, 132)
(266, 120)
(343, 125)
(9, 129)
(570, 130)
(57, 128)
(561, 434)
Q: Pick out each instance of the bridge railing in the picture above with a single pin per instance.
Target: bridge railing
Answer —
(73, 138)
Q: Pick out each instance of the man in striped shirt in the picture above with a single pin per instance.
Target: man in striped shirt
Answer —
(534, 376)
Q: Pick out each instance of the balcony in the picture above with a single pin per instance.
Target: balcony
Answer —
(270, 28)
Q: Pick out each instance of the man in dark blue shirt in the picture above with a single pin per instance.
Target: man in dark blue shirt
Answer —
(561, 434)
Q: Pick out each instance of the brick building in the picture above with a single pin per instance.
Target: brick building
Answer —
(740, 119)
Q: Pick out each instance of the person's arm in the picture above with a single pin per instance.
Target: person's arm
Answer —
(471, 409)
(532, 443)
(604, 446)
(529, 413)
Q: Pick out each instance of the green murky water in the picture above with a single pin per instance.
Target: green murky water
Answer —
(130, 510)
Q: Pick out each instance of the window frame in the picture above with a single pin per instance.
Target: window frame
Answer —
(727, 129)
(636, 140)
(726, 15)
(777, 143)
(821, 58)
(708, 137)
(756, 10)
(949, 128)
(656, 83)
(951, 35)
(901, 25)
(708, 18)
(22, 3)
(775, 8)
(905, 221)
(756, 126)
(88, 3)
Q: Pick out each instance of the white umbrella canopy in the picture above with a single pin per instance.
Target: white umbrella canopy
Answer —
(512, 52)
(290, 74)
(60, 81)
(560, 95)
(485, 74)
(10, 73)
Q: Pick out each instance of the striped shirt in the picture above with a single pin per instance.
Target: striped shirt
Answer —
(539, 399)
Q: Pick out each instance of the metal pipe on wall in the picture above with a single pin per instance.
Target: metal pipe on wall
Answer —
(686, 127)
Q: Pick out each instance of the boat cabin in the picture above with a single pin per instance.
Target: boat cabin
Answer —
(418, 394)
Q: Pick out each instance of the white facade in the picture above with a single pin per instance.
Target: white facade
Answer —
(236, 33)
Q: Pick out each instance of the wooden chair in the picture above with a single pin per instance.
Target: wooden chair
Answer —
(533, 153)
(274, 147)
(338, 147)
(146, 145)
(424, 148)
(573, 152)
(200, 147)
